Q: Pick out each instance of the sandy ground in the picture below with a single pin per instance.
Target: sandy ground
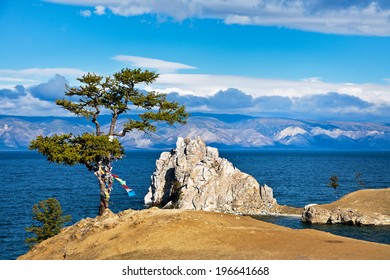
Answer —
(190, 235)
(366, 201)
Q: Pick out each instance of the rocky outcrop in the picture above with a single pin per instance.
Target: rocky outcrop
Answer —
(365, 207)
(314, 214)
(193, 176)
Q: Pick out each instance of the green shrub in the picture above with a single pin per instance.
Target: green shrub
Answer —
(48, 214)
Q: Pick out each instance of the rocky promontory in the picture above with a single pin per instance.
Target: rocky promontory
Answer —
(364, 207)
(193, 177)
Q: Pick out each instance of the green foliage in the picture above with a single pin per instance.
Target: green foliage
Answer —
(116, 94)
(50, 217)
(84, 149)
(334, 182)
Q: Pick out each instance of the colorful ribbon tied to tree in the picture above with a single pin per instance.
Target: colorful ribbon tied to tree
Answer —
(129, 191)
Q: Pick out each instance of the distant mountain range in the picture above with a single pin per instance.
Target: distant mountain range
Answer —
(221, 131)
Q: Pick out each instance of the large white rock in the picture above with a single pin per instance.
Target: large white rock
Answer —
(193, 176)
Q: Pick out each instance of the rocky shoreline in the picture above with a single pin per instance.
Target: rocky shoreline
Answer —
(363, 208)
(193, 177)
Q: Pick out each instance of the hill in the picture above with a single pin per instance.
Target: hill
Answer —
(188, 235)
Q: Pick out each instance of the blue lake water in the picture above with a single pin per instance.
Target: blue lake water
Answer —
(297, 178)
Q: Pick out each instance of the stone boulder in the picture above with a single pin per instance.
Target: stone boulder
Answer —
(193, 176)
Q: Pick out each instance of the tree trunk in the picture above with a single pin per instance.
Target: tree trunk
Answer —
(113, 123)
(103, 197)
(97, 124)
(105, 184)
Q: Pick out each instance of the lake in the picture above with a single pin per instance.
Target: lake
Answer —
(296, 177)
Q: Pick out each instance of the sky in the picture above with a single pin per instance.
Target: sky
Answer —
(312, 59)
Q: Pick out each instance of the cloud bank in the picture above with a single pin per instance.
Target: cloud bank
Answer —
(38, 100)
(360, 17)
(33, 76)
(328, 106)
(21, 102)
(34, 91)
(207, 85)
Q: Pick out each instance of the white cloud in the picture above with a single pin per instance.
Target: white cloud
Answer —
(100, 10)
(10, 82)
(29, 105)
(362, 17)
(85, 13)
(31, 76)
(312, 80)
(365, 20)
(124, 10)
(15, 80)
(161, 66)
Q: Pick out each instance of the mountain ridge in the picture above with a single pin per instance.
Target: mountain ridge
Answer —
(221, 130)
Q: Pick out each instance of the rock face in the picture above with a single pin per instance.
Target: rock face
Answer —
(194, 177)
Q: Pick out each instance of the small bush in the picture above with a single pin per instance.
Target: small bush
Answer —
(49, 214)
(334, 182)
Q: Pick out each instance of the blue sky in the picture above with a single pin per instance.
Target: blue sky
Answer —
(303, 59)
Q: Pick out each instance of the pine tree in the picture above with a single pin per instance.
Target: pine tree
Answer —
(358, 177)
(48, 213)
(334, 183)
(116, 94)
